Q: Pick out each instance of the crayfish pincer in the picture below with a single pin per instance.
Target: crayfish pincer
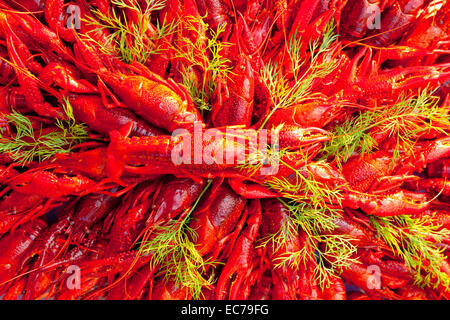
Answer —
(163, 103)
(14, 248)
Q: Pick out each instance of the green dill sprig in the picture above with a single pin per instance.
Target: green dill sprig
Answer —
(331, 252)
(285, 93)
(205, 54)
(262, 156)
(150, 5)
(336, 253)
(405, 121)
(304, 186)
(309, 204)
(27, 145)
(176, 255)
(416, 240)
(348, 138)
(130, 40)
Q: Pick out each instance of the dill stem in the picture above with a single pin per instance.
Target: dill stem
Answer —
(297, 84)
(185, 219)
(313, 71)
(368, 127)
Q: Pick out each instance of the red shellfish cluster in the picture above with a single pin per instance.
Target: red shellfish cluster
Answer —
(220, 149)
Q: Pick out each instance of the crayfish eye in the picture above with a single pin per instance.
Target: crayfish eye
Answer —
(21, 184)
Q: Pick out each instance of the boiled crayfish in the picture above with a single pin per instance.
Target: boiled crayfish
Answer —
(210, 149)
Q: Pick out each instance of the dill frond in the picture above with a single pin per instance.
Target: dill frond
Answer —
(331, 252)
(27, 145)
(405, 121)
(205, 54)
(349, 139)
(130, 40)
(285, 93)
(336, 253)
(294, 52)
(305, 187)
(416, 240)
(260, 157)
(307, 201)
(150, 5)
(176, 255)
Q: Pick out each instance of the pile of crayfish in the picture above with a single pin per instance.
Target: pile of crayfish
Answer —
(224, 149)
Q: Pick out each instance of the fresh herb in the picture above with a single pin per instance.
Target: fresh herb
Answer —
(331, 252)
(284, 92)
(205, 54)
(130, 40)
(301, 185)
(405, 121)
(260, 156)
(27, 145)
(348, 138)
(309, 204)
(175, 253)
(416, 240)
